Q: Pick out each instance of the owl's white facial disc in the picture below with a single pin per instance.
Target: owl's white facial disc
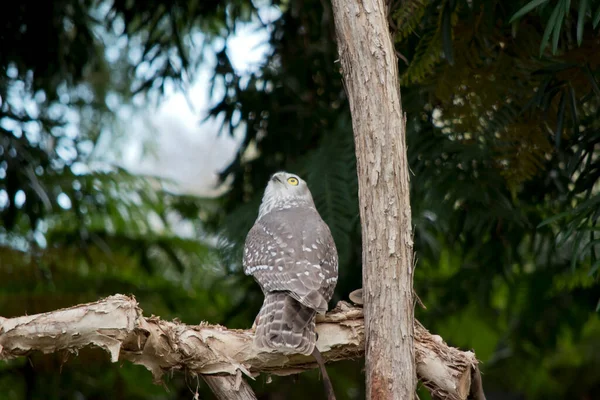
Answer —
(285, 190)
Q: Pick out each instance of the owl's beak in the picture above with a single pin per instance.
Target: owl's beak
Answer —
(275, 178)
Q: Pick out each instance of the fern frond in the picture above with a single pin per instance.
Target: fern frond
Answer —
(330, 171)
(427, 54)
(407, 17)
(520, 153)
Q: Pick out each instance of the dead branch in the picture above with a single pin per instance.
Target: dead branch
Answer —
(117, 325)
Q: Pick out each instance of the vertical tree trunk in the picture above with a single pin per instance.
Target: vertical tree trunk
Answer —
(371, 77)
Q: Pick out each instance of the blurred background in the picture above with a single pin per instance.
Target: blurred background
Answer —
(136, 139)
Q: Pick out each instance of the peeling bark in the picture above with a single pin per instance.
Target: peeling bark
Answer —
(221, 356)
(227, 387)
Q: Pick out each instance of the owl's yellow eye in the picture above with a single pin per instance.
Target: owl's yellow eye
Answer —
(293, 181)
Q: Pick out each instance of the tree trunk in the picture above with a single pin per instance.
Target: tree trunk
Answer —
(370, 73)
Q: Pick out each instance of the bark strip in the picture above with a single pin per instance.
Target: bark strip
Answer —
(221, 356)
(227, 387)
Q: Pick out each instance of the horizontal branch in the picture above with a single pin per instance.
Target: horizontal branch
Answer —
(117, 325)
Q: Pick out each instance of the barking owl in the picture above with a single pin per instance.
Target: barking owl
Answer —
(291, 254)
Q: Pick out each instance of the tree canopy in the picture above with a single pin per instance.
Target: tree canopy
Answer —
(503, 136)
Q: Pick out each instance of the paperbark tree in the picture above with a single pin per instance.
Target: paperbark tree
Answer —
(221, 356)
(370, 73)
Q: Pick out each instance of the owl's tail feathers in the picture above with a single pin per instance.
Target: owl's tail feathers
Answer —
(285, 325)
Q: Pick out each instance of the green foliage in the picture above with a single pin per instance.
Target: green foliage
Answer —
(407, 17)
(502, 142)
(560, 12)
(73, 228)
(496, 136)
(427, 55)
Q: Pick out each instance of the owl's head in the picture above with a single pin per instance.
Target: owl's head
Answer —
(285, 189)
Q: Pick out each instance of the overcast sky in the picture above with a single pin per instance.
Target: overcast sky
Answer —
(186, 151)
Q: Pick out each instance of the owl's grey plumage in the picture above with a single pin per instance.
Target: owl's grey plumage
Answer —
(292, 255)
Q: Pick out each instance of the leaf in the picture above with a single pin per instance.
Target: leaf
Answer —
(593, 270)
(560, 119)
(559, 21)
(407, 18)
(592, 229)
(427, 54)
(593, 249)
(591, 202)
(589, 245)
(590, 75)
(541, 92)
(528, 7)
(447, 34)
(574, 257)
(549, 28)
(553, 218)
(583, 7)
(567, 235)
(573, 105)
(596, 18)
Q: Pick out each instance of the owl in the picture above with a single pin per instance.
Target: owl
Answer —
(291, 254)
